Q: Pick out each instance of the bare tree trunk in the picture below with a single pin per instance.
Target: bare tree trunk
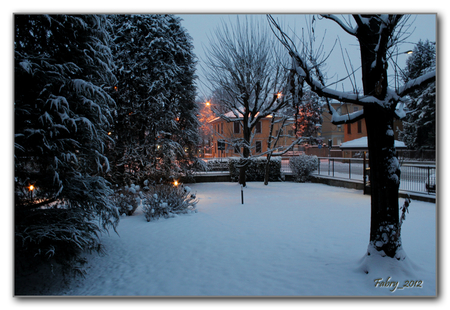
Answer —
(245, 151)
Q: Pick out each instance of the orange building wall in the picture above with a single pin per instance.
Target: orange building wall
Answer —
(228, 135)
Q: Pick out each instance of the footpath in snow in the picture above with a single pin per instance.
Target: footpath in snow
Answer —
(287, 239)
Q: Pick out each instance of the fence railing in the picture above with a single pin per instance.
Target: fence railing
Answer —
(414, 177)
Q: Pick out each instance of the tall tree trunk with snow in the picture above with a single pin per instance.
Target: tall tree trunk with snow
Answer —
(376, 35)
(384, 166)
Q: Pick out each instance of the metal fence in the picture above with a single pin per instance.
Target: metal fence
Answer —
(414, 177)
(417, 177)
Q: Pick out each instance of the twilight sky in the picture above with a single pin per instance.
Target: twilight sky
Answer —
(202, 26)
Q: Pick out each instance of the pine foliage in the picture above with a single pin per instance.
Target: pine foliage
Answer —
(63, 67)
(419, 126)
(156, 125)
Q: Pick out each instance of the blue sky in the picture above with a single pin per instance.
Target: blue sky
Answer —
(202, 26)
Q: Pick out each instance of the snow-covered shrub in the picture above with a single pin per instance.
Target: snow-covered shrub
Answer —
(168, 201)
(127, 199)
(302, 165)
(255, 168)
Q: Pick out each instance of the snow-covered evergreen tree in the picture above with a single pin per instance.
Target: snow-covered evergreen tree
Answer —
(419, 125)
(155, 131)
(63, 67)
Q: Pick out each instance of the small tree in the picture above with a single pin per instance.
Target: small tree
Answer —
(243, 64)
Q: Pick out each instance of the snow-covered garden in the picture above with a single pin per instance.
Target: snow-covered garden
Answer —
(287, 239)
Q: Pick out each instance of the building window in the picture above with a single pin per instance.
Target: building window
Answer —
(236, 149)
(221, 128)
(258, 147)
(237, 127)
(258, 127)
(359, 126)
(349, 129)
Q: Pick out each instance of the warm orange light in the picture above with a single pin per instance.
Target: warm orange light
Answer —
(279, 95)
(31, 188)
(109, 133)
(175, 183)
(208, 103)
(115, 88)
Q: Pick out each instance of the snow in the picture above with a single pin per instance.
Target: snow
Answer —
(361, 143)
(287, 239)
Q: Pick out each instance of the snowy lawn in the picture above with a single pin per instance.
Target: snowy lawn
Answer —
(288, 239)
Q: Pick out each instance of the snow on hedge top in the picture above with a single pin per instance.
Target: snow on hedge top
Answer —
(361, 143)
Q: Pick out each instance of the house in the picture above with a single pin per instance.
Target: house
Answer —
(348, 132)
(352, 147)
(227, 133)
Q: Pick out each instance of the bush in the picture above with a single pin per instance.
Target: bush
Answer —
(217, 165)
(302, 165)
(127, 199)
(168, 201)
(255, 168)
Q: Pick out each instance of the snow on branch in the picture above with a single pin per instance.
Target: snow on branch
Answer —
(349, 30)
(337, 119)
(413, 84)
(304, 70)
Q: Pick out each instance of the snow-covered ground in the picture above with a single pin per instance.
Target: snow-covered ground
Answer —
(287, 239)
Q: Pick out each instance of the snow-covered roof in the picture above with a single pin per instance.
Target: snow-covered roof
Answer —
(231, 115)
(361, 143)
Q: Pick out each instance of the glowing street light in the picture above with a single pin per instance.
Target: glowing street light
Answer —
(175, 183)
(208, 103)
(31, 188)
(279, 95)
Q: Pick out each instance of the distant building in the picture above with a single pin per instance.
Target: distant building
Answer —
(226, 133)
(347, 132)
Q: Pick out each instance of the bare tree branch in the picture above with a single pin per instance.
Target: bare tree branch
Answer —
(351, 31)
